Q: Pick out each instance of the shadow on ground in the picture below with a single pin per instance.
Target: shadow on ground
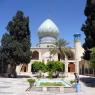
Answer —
(19, 76)
(23, 76)
(88, 81)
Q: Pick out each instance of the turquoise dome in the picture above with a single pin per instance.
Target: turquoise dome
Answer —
(48, 29)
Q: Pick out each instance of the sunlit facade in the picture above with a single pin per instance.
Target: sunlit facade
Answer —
(48, 33)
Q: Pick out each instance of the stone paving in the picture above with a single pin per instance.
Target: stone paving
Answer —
(9, 86)
(87, 86)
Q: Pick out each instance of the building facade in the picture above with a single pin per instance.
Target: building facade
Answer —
(48, 34)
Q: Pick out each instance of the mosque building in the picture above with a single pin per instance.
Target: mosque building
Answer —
(48, 34)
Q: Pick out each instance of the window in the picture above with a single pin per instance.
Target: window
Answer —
(35, 55)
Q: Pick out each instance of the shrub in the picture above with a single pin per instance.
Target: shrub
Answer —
(54, 67)
(72, 81)
(38, 66)
(31, 82)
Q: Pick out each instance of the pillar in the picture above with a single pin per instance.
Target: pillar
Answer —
(18, 68)
(77, 44)
(66, 66)
(29, 67)
(40, 57)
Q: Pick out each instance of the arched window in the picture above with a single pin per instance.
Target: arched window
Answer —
(35, 55)
(71, 67)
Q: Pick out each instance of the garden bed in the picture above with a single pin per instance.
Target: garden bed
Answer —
(51, 84)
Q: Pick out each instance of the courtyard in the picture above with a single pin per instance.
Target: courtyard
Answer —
(43, 50)
(18, 86)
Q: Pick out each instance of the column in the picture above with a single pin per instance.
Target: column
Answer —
(18, 68)
(66, 66)
(40, 58)
(29, 67)
(77, 51)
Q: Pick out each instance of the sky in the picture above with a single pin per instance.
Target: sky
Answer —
(68, 15)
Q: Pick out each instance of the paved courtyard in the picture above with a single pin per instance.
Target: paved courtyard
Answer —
(88, 85)
(10, 86)
(18, 86)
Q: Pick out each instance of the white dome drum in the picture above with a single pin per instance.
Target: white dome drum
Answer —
(47, 33)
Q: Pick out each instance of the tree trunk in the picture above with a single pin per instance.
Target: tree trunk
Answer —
(12, 71)
(8, 69)
(58, 57)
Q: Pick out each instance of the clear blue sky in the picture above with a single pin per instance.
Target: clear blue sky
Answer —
(67, 14)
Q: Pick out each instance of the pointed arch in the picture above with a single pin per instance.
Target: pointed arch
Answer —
(24, 68)
(35, 55)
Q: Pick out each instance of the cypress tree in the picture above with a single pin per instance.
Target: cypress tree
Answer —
(89, 28)
(16, 42)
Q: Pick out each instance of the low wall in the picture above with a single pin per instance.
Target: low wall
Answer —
(49, 89)
(53, 89)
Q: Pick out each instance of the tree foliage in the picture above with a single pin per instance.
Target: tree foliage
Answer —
(51, 67)
(92, 58)
(54, 67)
(89, 28)
(16, 41)
(61, 49)
(38, 66)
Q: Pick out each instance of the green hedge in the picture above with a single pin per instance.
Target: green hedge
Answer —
(51, 84)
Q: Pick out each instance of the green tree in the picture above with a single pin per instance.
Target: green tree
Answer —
(61, 49)
(16, 42)
(63, 52)
(92, 58)
(89, 28)
(54, 67)
(59, 66)
(39, 67)
(35, 66)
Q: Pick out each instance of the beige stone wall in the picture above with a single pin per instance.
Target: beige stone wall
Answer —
(44, 55)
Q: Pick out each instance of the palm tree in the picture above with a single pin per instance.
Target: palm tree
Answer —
(61, 49)
(63, 52)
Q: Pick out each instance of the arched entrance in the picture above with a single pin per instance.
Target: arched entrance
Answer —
(71, 67)
(35, 55)
(24, 68)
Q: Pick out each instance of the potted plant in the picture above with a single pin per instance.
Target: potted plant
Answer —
(31, 82)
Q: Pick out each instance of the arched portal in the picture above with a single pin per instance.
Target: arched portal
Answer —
(35, 55)
(24, 68)
(71, 67)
